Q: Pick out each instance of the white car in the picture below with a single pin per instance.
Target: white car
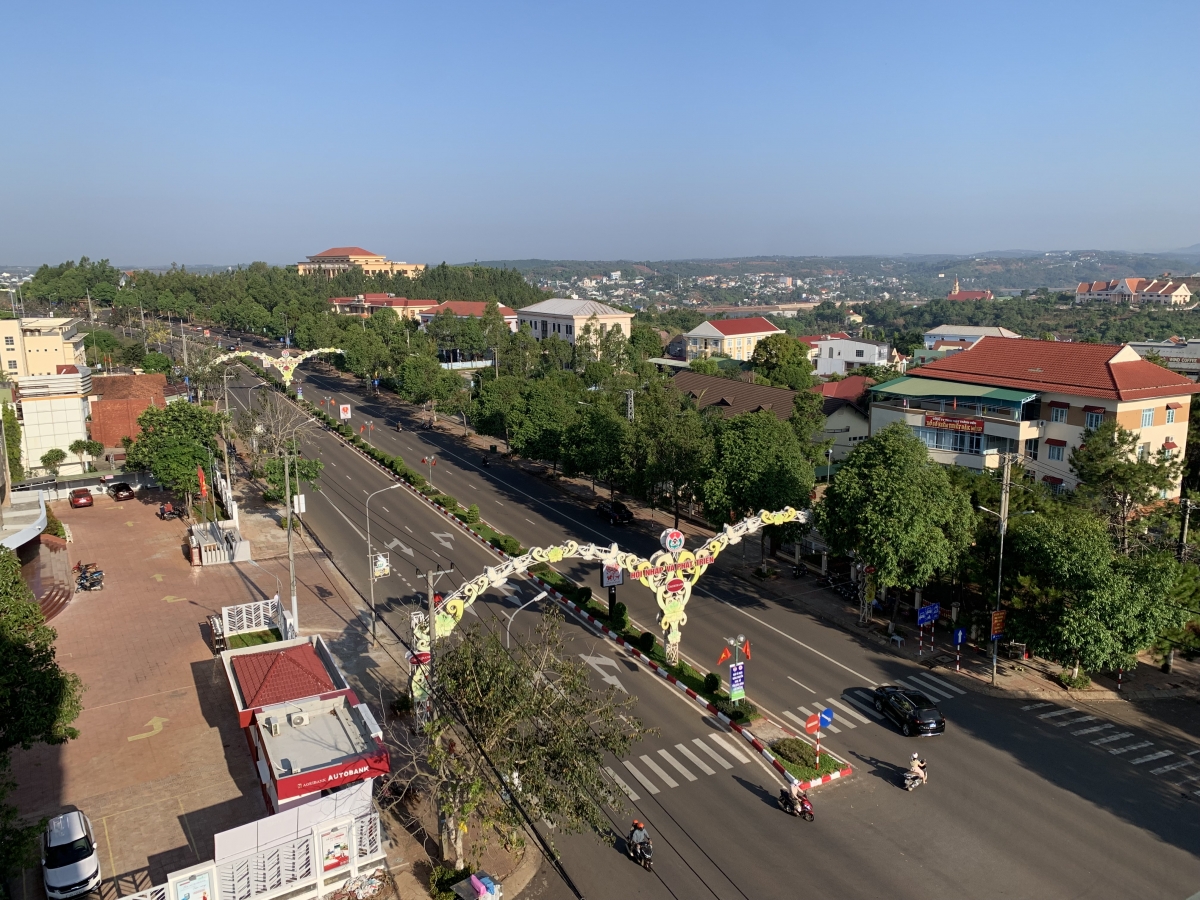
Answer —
(70, 864)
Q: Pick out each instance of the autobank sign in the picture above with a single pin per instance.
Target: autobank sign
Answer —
(350, 771)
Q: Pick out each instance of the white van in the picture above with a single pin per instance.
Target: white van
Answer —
(70, 864)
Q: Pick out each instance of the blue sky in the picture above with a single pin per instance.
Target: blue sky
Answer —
(224, 133)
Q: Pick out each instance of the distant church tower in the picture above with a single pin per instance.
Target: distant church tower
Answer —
(956, 284)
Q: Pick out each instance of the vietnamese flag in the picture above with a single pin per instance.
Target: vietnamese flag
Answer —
(203, 486)
(725, 654)
(746, 649)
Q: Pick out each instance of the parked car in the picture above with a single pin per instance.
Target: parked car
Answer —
(120, 491)
(70, 863)
(615, 511)
(80, 497)
(912, 711)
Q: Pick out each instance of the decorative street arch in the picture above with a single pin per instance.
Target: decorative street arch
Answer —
(670, 573)
(286, 362)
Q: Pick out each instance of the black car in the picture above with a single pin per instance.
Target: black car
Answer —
(616, 512)
(120, 491)
(911, 710)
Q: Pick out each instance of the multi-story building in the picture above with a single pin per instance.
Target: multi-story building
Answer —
(1179, 354)
(337, 260)
(1036, 399)
(363, 305)
(968, 334)
(811, 341)
(565, 318)
(54, 412)
(1163, 290)
(842, 355)
(735, 338)
(467, 309)
(39, 346)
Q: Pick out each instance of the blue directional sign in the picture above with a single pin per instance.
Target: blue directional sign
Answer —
(960, 635)
(928, 614)
(826, 716)
(737, 681)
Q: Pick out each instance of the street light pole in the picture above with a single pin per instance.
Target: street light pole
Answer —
(508, 628)
(371, 558)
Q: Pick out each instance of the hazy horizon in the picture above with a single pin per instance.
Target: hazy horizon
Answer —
(651, 132)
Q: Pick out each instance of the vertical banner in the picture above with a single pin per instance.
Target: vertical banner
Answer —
(737, 681)
(335, 848)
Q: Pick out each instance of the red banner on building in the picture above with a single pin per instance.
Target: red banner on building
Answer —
(953, 423)
(357, 769)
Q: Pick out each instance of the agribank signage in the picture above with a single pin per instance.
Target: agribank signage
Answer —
(358, 769)
(953, 423)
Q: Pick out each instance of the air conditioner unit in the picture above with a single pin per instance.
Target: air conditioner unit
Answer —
(298, 719)
(273, 725)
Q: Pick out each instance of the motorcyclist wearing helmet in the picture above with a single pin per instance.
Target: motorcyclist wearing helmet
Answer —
(917, 767)
(637, 835)
(796, 793)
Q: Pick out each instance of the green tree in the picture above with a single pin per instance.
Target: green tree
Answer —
(500, 403)
(1118, 478)
(757, 464)
(896, 510)
(598, 444)
(671, 447)
(1077, 602)
(38, 700)
(705, 366)
(645, 341)
(779, 350)
(12, 443)
(156, 362)
(300, 470)
(174, 441)
(52, 459)
(82, 448)
(545, 417)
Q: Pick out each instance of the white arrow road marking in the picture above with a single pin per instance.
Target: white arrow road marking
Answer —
(445, 539)
(597, 661)
(396, 545)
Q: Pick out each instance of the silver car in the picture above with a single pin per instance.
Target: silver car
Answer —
(70, 864)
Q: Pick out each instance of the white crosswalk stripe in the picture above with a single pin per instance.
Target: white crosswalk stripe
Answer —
(944, 683)
(1033, 706)
(646, 782)
(658, 770)
(1126, 749)
(795, 718)
(847, 709)
(930, 689)
(1079, 721)
(1172, 767)
(677, 765)
(1112, 737)
(696, 761)
(1162, 754)
(622, 785)
(718, 758)
(904, 684)
(721, 739)
(865, 707)
(1058, 712)
(1093, 729)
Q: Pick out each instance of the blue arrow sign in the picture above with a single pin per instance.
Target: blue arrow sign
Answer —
(826, 716)
(960, 635)
(928, 614)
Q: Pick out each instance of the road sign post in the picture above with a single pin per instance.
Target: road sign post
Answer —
(960, 635)
(824, 720)
(926, 615)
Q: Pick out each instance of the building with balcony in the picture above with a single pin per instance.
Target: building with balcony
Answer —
(365, 305)
(565, 318)
(1163, 290)
(337, 260)
(838, 355)
(38, 346)
(735, 338)
(1035, 399)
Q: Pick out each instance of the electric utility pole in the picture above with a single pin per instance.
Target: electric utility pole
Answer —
(1185, 507)
(1005, 487)
(431, 580)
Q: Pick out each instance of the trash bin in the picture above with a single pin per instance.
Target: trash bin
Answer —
(492, 448)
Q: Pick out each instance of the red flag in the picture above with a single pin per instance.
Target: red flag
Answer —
(746, 649)
(203, 486)
(725, 654)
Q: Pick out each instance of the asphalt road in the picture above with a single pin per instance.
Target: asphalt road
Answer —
(1023, 799)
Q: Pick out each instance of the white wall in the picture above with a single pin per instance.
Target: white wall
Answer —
(49, 423)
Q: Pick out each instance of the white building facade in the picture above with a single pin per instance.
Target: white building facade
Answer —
(565, 318)
(841, 356)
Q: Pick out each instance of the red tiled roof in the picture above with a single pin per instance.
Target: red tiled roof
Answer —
(1087, 370)
(751, 325)
(276, 676)
(849, 388)
(467, 308)
(969, 295)
(344, 251)
(127, 387)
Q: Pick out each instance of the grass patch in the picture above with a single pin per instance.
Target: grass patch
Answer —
(798, 757)
(254, 638)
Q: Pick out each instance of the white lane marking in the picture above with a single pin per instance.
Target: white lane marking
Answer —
(622, 785)
(1111, 738)
(1171, 767)
(846, 709)
(1192, 752)
(531, 522)
(646, 782)
(396, 545)
(1033, 706)
(1092, 730)
(347, 476)
(721, 761)
(1129, 747)
(728, 748)
(385, 509)
(677, 764)
(1161, 754)
(1058, 712)
(929, 688)
(1078, 721)
(409, 530)
(658, 770)
(806, 710)
(789, 637)
(909, 687)
(943, 683)
(472, 487)
(696, 761)
(325, 494)
(501, 504)
(870, 710)
(364, 490)
(802, 684)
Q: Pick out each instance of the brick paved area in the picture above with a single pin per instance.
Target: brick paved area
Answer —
(160, 765)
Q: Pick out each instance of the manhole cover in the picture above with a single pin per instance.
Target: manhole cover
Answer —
(943, 660)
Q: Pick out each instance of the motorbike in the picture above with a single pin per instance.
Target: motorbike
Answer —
(82, 568)
(804, 810)
(642, 853)
(92, 581)
(168, 514)
(483, 461)
(912, 781)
